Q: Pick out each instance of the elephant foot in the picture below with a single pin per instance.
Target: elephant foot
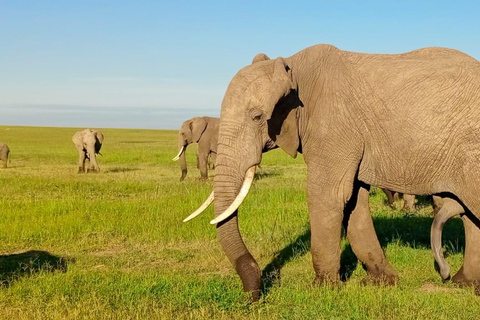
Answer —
(254, 296)
(463, 280)
(325, 280)
(380, 280)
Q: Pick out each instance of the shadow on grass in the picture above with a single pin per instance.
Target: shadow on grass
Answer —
(265, 174)
(121, 169)
(408, 230)
(15, 266)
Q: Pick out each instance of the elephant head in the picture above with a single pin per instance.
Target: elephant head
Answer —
(190, 132)
(259, 113)
(88, 143)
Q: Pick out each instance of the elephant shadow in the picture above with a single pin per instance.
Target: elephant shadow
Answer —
(121, 169)
(15, 266)
(408, 230)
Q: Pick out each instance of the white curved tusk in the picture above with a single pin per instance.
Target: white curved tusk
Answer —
(201, 209)
(247, 183)
(179, 154)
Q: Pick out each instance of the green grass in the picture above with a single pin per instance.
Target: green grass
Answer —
(113, 245)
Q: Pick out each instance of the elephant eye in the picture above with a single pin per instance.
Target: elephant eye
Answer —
(256, 114)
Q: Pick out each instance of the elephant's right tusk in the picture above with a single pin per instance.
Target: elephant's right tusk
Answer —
(201, 209)
(179, 154)
(247, 183)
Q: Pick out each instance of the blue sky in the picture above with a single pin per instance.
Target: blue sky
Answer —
(152, 64)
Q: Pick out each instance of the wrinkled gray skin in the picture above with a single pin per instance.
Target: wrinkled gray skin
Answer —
(408, 200)
(4, 154)
(88, 143)
(407, 122)
(204, 131)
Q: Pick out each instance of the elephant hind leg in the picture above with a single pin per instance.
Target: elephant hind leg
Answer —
(449, 209)
(409, 202)
(469, 273)
(363, 238)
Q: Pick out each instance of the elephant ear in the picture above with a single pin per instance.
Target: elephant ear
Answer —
(198, 125)
(99, 136)
(260, 57)
(281, 109)
(98, 140)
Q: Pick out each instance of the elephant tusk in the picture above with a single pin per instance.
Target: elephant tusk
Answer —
(179, 154)
(201, 209)
(247, 183)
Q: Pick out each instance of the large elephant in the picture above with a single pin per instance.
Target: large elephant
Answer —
(201, 130)
(88, 143)
(406, 122)
(4, 154)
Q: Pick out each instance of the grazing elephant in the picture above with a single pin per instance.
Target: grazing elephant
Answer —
(408, 200)
(88, 143)
(201, 130)
(341, 110)
(4, 154)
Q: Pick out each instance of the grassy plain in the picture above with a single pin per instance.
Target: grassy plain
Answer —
(113, 246)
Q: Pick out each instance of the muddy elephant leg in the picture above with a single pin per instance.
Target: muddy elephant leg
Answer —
(363, 238)
(449, 209)
(202, 165)
(469, 273)
(409, 202)
(81, 161)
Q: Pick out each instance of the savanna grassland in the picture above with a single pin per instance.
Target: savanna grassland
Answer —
(112, 245)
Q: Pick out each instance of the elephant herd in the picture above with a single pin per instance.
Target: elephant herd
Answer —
(407, 123)
(88, 143)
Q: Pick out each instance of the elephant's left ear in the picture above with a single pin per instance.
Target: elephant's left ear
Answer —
(198, 125)
(282, 109)
(282, 84)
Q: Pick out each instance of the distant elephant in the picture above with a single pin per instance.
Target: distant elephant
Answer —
(341, 110)
(408, 200)
(88, 143)
(4, 154)
(204, 131)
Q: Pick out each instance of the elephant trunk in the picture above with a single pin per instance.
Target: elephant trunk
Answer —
(227, 184)
(448, 208)
(182, 146)
(436, 244)
(93, 159)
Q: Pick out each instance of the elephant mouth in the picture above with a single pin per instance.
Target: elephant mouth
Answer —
(182, 149)
(242, 194)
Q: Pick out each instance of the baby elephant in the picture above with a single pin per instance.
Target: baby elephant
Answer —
(88, 143)
(4, 153)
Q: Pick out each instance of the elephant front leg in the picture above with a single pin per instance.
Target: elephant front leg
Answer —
(469, 273)
(363, 238)
(202, 165)
(81, 162)
(325, 206)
